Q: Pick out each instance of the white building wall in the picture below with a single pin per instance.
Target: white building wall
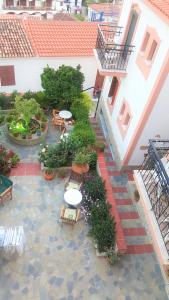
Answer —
(157, 124)
(28, 71)
(134, 88)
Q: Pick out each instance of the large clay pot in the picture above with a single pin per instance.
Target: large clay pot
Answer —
(80, 169)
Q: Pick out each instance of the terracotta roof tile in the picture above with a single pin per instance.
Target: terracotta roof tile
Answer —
(54, 38)
(160, 5)
(13, 40)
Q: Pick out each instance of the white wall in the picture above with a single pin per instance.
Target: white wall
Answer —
(28, 71)
(112, 19)
(157, 124)
(1, 4)
(134, 88)
(63, 7)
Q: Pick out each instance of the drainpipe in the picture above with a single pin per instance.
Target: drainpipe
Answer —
(98, 100)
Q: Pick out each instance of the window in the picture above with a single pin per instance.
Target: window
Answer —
(145, 42)
(152, 51)
(127, 119)
(113, 89)
(7, 75)
(124, 118)
(148, 51)
(122, 109)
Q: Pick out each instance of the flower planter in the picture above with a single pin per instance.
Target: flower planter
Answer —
(37, 117)
(80, 169)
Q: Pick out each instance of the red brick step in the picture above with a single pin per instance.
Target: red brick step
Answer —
(140, 249)
(129, 215)
(124, 202)
(134, 231)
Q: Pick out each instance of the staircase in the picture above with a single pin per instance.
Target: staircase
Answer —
(136, 238)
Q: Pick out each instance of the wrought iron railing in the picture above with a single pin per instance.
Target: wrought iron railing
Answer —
(155, 175)
(112, 55)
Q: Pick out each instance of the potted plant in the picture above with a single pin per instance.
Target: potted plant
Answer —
(43, 126)
(49, 173)
(44, 119)
(99, 146)
(29, 135)
(24, 136)
(80, 163)
(16, 134)
(14, 160)
(112, 256)
(38, 115)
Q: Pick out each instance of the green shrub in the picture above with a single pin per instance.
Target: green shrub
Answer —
(87, 101)
(93, 160)
(79, 111)
(94, 188)
(81, 158)
(84, 133)
(63, 85)
(81, 107)
(103, 229)
(6, 102)
(2, 118)
(59, 155)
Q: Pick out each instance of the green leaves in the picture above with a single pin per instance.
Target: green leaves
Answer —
(97, 212)
(62, 85)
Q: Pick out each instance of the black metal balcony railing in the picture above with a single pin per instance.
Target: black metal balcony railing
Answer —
(111, 55)
(154, 172)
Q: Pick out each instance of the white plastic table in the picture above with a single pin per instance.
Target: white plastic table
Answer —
(73, 197)
(65, 114)
(64, 136)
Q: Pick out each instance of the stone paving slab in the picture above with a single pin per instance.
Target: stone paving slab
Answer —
(60, 261)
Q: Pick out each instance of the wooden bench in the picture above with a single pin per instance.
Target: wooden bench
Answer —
(5, 188)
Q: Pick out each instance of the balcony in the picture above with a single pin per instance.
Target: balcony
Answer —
(112, 57)
(154, 174)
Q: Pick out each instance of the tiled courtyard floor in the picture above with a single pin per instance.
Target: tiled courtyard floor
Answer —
(60, 261)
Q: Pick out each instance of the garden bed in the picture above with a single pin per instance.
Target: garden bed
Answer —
(34, 140)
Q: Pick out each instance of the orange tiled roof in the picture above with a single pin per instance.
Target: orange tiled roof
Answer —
(13, 40)
(161, 5)
(59, 38)
(104, 7)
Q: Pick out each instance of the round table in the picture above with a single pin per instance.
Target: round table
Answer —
(65, 114)
(73, 197)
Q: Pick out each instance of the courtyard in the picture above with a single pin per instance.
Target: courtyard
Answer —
(60, 261)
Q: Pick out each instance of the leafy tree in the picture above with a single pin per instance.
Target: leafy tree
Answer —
(61, 86)
(26, 108)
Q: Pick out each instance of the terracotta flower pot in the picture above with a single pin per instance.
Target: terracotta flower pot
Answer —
(80, 169)
(49, 176)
